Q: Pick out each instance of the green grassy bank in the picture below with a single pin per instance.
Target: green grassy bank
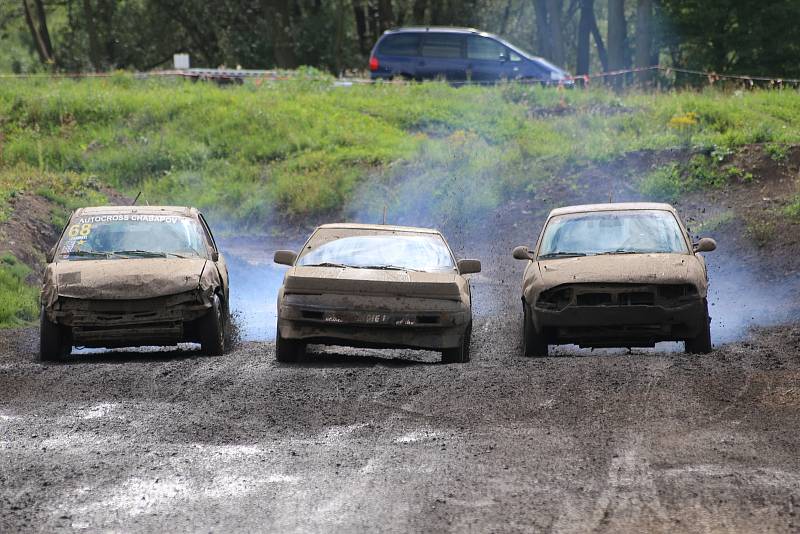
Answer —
(252, 154)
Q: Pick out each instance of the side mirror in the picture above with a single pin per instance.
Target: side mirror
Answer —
(503, 57)
(285, 257)
(51, 254)
(705, 245)
(522, 253)
(214, 256)
(469, 266)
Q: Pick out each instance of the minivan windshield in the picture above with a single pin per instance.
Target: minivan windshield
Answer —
(393, 251)
(612, 232)
(132, 235)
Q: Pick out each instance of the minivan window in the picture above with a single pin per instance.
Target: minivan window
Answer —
(442, 45)
(481, 48)
(406, 44)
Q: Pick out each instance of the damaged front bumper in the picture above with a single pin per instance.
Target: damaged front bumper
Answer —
(119, 323)
(618, 316)
(368, 321)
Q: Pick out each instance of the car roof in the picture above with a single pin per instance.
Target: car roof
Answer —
(149, 210)
(386, 227)
(442, 29)
(612, 206)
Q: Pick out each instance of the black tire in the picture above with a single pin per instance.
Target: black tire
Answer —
(55, 340)
(533, 344)
(701, 344)
(212, 329)
(289, 350)
(459, 354)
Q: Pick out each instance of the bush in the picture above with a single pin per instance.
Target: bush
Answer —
(18, 300)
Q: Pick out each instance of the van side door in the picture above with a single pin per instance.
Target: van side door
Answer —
(442, 56)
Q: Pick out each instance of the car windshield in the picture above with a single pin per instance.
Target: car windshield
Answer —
(612, 232)
(414, 252)
(132, 235)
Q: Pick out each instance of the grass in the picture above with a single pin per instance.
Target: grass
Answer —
(18, 300)
(296, 148)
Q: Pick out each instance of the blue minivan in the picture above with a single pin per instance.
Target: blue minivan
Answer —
(457, 55)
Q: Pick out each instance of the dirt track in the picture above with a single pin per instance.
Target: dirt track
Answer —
(365, 440)
(368, 440)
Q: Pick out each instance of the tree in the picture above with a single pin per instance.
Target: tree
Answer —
(617, 36)
(37, 23)
(644, 37)
(554, 13)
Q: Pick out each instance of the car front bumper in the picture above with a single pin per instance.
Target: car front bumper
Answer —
(382, 322)
(621, 326)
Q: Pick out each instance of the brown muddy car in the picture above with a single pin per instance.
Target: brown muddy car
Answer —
(375, 286)
(615, 275)
(134, 276)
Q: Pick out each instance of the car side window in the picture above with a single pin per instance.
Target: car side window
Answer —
(209, 236)
(484, 49)
(442, 46)
(513, 56)
(406, 44)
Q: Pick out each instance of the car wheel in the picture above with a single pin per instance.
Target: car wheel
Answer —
(459, 354)
(212, 329)
(533, 344)
(289, 350)
(54, 340)
(701, 344)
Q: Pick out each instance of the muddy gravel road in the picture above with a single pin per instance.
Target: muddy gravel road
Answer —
(363, 440)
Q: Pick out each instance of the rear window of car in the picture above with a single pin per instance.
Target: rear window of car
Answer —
(482, 48)
(442, 45)
(406, 44)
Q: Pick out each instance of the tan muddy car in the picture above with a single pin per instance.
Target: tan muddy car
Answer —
(375, 286)
(134, 276)
(615, 275)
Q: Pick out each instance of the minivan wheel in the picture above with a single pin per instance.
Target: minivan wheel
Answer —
(701, 344)
(55, 340)
(459, 354)
(289, 350)
(533, 344)
(212, 329)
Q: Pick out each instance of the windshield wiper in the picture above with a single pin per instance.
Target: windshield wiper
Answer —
(325, 264)
(620, 251)
(562, 255)
(386, 267)
(143, 253)
(87, 253)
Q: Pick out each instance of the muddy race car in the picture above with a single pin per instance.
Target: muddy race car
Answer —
(134, 276)
(615, 275)
(375, 286)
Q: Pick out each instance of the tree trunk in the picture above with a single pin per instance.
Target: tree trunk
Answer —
(39, 31)
(584, 37)
(554, 12)
(386, 16)
(598, 40)
(91, 29)
(543, 41)
(418, 11)
(282, 44)
(361, 25)
(644, 38)
(616, 38)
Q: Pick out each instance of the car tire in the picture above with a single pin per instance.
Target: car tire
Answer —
(533, 344)
(212, 329)
(459, 354)
(701, 344)
(55, 341)
(289, 350)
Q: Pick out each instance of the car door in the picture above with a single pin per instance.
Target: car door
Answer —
(487, 59)
(442, 56)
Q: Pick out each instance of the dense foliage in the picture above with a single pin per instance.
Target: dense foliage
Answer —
(726, 36)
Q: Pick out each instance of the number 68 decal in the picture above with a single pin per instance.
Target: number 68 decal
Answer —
(81, 230)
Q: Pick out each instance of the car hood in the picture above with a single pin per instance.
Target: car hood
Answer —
(127, 279)
(623, 268)
(344, 280)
